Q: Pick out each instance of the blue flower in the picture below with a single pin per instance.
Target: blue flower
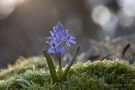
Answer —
(59, 38)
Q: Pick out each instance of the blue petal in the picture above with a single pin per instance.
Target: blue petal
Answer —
(71, 37)
(67, 43)
(72, 41)
(50, 37)
(51, 50)
(54, 29)
(66, 31)
(52, 33)
(56, 50)
(61, 50)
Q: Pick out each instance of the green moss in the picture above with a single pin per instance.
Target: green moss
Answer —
(32, 74)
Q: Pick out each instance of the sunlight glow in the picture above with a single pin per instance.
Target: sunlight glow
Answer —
(8, 6)
(102, 16)
(128, 6)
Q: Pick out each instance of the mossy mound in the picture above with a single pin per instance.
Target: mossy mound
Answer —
(99, 75)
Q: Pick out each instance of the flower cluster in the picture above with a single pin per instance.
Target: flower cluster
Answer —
(59, 39)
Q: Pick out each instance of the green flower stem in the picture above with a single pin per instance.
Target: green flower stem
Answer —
(60, 71)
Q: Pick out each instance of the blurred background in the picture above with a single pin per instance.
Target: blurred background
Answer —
(24, 24)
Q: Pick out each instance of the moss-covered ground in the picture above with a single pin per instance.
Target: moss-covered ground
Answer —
(33, 74)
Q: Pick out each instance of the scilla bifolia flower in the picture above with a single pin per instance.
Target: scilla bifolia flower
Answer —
(59, 40)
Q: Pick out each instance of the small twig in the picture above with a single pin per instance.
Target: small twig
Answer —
(125, 49)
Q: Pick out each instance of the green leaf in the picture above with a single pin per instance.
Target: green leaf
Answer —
(51, 67)
(70, 64)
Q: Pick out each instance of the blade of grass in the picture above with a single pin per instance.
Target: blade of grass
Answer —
(71, 63)
(23, 81)
(51, 67)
